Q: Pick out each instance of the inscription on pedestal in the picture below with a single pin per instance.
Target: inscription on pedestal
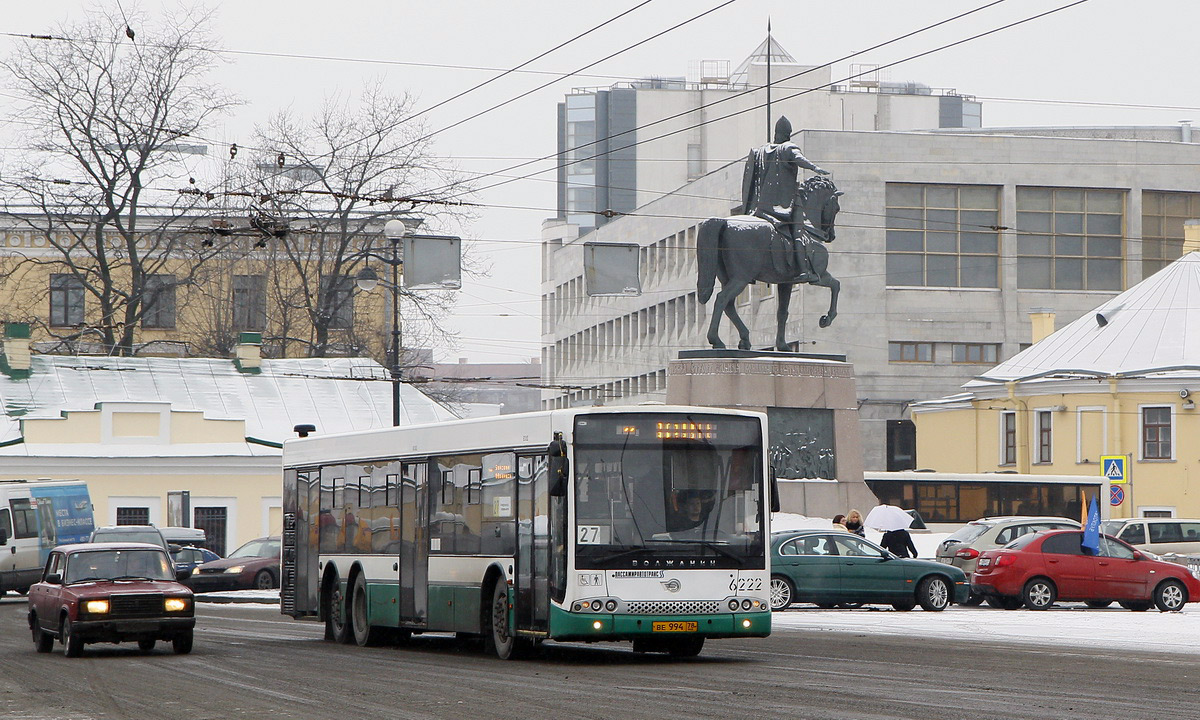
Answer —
(788, 369)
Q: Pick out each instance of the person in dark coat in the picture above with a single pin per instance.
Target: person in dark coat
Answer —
(854, 523)
(899, 543)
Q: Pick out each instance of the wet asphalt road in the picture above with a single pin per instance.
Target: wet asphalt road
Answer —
(253, 663)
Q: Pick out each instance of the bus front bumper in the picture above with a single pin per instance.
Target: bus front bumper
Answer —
(566, 625)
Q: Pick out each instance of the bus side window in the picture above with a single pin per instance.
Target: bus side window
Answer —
(5, 524)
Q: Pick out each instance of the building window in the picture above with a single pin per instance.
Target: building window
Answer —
(1008, 432)
(1069, 238)
(158, 303)
(249, 302)
(1156, 433)
(66, 300)
(943, 235)
(974, 353)
(695, 161)
(1044, 436)
(133, 516)
(339, 301)
(1163, 214)
(914, 352)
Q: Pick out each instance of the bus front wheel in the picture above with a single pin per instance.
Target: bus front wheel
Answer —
(498, 635)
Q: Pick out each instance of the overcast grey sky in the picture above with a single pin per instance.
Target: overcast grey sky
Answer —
(1102, 51)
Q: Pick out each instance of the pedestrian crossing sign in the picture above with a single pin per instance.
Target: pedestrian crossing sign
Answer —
(1113, 467)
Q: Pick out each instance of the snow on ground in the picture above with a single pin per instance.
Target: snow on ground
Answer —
(240, 596)
(1063, 626)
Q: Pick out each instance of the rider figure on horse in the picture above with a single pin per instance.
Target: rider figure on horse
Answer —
(769, 188)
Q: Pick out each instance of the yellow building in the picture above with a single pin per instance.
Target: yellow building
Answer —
(142, 431)
(205, 286)
(1121, 381)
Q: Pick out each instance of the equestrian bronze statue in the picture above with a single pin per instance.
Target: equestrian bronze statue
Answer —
(780, 238)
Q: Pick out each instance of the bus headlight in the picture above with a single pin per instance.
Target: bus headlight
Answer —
(96, 607)
(610, 605)
(733, 605)
(746, 604)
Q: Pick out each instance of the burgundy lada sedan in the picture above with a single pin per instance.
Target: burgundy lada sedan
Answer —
(110, 592)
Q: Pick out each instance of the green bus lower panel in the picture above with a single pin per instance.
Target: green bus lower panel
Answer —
(566, 625)
(383, 604)
(453, 608)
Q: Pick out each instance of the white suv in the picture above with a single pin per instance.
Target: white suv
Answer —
(961, 549)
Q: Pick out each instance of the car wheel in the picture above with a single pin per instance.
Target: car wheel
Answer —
(1039, 594)
(1170, 596)
(360, 621)
(934, 593)
(1097, 604)
(1135, 606)
(146, 644)
(337, 625)
(263, 580)
(182, 644)
(973, 599)
(904, 606)
(782, 592)
(72, 642)
(43, 642)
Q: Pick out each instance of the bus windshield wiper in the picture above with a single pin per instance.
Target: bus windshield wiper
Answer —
(626, 553)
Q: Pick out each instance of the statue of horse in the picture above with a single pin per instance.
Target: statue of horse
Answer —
(743, 249)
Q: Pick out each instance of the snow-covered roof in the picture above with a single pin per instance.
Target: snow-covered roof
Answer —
(334, 394)
(1153, 327)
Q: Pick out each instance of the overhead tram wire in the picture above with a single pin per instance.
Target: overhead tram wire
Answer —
(706, 106)
(759, 106)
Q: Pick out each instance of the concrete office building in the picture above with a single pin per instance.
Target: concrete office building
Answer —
(948, 242)
(685, 128)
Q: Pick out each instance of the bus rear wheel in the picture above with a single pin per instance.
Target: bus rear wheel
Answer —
(337, 628)
(364, 633)
(498, 635)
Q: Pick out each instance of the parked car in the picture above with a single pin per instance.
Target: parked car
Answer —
(1037, 570)
(110, 592)
(253, 565)
(184, 536)
(1157, 535)
(831, 568)
(130, 533)
(187, 559)
(962, 547)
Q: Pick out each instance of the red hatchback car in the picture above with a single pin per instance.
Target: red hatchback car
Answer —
(110, 592)
(1035, 570)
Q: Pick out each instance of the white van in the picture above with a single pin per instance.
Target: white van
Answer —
(36, 515)
(1157, 535)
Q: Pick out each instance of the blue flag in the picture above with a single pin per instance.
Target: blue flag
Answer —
(1091, 531)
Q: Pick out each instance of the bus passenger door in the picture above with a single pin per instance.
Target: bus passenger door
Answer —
(534, 547)
(414, 544)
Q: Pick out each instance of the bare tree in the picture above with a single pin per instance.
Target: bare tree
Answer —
(338, 177)
(111, 111)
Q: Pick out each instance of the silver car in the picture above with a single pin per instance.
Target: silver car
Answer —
(962, 547)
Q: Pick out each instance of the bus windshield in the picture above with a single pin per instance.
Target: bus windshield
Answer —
(666, 490)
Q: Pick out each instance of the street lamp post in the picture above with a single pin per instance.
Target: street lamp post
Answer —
(395, 231)
(367, 280)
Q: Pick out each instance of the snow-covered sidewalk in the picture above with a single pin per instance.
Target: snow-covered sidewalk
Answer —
(1069, 625)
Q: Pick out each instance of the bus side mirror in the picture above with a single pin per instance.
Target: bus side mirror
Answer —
(774, 492)
(560, 466)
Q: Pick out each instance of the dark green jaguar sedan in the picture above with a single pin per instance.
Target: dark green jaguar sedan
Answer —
(832, 568)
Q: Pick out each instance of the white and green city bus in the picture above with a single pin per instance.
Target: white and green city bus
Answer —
(646, 524)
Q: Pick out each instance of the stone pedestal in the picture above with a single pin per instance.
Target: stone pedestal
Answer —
(812, 407)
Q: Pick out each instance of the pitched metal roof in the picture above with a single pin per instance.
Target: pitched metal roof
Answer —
(1153, 327)
(335, 394)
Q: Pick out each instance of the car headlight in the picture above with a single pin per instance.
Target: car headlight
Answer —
(235, 569)
(96, 607)
(175, 604)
